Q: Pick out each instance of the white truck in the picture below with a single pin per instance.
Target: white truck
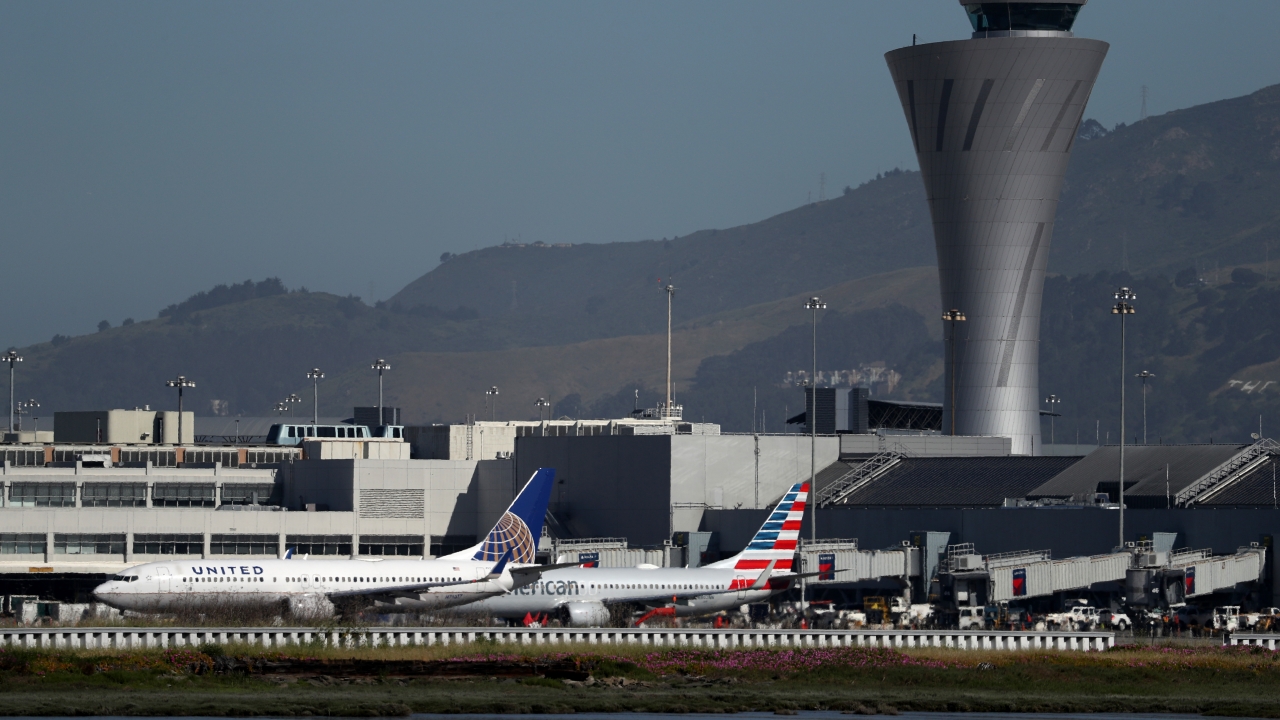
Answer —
(1083, 616)
(973, 618)
(1228, 617)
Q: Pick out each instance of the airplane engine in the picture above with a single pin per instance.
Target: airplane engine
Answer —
(580, 614)
(311, 606)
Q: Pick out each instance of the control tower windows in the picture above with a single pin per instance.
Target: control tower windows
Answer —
(997, 16)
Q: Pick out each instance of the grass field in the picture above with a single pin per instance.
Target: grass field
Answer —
(397, 681)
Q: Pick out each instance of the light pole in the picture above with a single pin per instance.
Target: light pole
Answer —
(24, 408)
(493, 409)
(671, 291)
(814, 304)
(1052, 400)
(281, 407)
(292, 401)
(11, 357)
(380, 365)
(314, 375)
(541, 404)
(181, 382)
(1123, 309)
(953, 316)
(1144, 375)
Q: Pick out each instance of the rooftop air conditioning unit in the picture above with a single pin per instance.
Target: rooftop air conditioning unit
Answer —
(968, 562)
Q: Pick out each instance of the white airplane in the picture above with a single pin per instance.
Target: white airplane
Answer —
(500, 563)
(582, 596)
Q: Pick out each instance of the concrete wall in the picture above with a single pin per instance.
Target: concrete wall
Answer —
(646, 487)
(439, 497)
(721, 471)
(123, 427)
(607, 485)
(926, 445)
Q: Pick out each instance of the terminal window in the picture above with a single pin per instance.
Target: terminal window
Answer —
(449, 544)
(244, 545)
(157, 458)
(42, 495)
(267, 457)
(167, 544)
(228, 458)
(22, 543)
(23, 458)
(114, 495)
(249, 495)
(390, 545)
(88, 544)
(319, 544)
(182, 495)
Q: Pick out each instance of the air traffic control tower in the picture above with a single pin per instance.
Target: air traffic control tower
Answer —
(993, 119)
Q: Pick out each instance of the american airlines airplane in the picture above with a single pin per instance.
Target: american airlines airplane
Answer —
(500, 563)
(581, 596)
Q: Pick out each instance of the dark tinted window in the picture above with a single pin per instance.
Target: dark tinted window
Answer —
(326, 432)
(1022, 16)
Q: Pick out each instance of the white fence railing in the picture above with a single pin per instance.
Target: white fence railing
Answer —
(1267, 641)
(92, 638)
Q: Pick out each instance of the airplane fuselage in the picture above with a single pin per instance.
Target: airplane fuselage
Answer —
(167, 586)
(693, 591)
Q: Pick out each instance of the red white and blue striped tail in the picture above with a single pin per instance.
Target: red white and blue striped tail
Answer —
(776, 539)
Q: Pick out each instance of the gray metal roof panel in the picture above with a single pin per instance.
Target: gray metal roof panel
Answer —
(959, 481)
(1144, 469)
(1257, 488)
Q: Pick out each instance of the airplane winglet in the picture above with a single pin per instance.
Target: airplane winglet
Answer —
(763, 581)
(501, 565)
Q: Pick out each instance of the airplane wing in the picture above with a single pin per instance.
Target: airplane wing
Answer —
(529, 574)
(797, 576)
(410, 589)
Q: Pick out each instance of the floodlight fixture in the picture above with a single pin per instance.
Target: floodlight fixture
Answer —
(813, 304)
(953, 316)
(11, 357)
(492, 392)
(1123, 309)
(181, 382)
(315, 376)
(380, 365)
(1144, 375)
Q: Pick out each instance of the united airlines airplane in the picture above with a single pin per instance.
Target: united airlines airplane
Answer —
(581, 596)
(500, 563)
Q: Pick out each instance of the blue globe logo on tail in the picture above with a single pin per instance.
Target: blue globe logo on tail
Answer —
(519, 528)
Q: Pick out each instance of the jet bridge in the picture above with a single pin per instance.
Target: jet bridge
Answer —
(1015, 576)
(841, 562)
(968, 578)
(1164, 579)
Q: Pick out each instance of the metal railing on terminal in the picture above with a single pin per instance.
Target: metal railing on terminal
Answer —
(94, 638)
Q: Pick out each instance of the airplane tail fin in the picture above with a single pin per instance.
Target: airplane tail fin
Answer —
(519, 528)
(288, 554)
(774, 544)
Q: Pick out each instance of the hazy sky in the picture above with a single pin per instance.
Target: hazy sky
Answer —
(154, 149)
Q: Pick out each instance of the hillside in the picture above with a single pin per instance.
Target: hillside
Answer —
(448, 385)
(1191, 187)
(613, 289)
(1190, 191)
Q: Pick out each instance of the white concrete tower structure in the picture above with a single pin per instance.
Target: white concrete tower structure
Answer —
(993, 120)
